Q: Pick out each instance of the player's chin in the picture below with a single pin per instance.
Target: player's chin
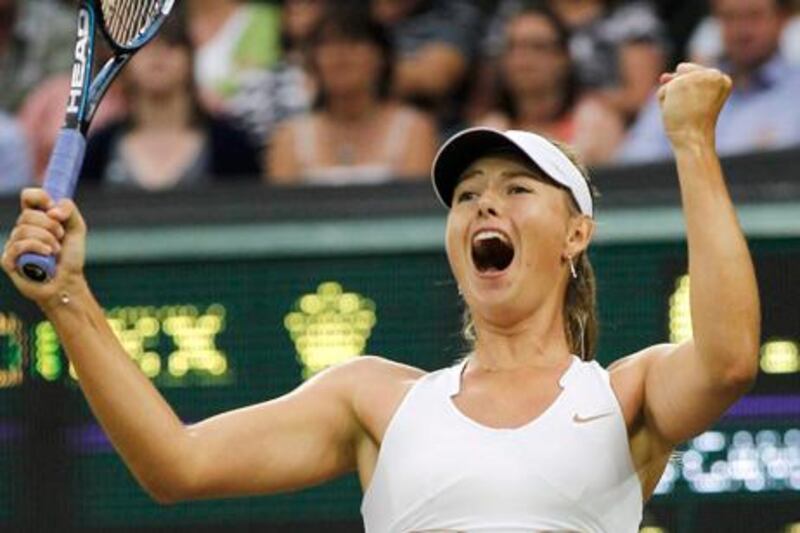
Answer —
(495, 288)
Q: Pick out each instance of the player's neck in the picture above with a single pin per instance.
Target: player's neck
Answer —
(534, 340)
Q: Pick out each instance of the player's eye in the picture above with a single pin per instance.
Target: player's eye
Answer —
(465, 196)
(518, 189)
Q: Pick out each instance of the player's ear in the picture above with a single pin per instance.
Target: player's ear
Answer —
(580, 230)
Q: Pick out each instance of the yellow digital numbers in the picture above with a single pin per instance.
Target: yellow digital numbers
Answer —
(174, 345)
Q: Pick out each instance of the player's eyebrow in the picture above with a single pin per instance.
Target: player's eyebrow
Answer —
(533, 174)
(469, 174)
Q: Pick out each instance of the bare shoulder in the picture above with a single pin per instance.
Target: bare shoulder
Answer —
(640, 360)
(377, 375)
(382, 366)
(368, 377)
(628, 376)
(379, 386)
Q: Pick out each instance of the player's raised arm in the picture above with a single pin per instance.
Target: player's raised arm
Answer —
(690, 385)
(290, 442)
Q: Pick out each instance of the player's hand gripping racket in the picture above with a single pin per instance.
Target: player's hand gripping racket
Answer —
(127, 25)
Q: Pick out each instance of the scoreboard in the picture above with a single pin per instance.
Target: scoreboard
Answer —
(220, 333)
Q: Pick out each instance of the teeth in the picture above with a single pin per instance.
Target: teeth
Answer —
(489, 234)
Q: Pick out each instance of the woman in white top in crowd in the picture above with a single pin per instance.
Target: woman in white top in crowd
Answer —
(520, 221)
(356, 133)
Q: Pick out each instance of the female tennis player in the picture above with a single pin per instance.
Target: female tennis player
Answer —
(526, 433)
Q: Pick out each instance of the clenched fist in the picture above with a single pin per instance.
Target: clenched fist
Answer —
(47, 228)
(691, 99)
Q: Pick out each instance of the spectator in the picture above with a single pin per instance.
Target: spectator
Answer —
(539, 91)
(298, 22)
(267, 97)
(790, 39)
(42, 115)
(28, 55)
(14, 161)
(167, 140)
(618, 48)
(435, 42)
(356, 134)
(231, 38)
(705, 44)
(762, 112)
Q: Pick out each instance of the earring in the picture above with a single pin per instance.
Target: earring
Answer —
(572, 268)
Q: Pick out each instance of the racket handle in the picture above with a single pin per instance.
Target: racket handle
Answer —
(60, 180)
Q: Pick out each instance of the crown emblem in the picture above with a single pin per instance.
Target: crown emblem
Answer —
(329, 326)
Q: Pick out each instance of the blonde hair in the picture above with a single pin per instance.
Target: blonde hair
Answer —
(580, 299)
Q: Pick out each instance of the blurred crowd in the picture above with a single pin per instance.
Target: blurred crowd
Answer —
(362, 91)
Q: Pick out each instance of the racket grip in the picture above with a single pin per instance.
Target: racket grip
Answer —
(60, 180)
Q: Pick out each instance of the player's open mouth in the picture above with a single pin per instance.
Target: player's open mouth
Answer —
(492, 251)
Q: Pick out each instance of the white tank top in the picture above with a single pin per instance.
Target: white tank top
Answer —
(569, 469)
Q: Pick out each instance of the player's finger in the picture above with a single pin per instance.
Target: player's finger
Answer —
(685, 68)
(18, 248)
(6, 261)
(34, 217)
(35, 198)
(666, 77)
(24, 232)
(66, 212)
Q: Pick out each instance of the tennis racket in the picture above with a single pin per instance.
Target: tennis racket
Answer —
(127, 25)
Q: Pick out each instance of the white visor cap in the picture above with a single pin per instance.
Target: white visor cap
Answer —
(463, 148)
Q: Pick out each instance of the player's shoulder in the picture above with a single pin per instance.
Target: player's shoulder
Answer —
(628, 377)
(641, 360)
(371, 368)
(369, 381)
(380, 369)
(629, 374)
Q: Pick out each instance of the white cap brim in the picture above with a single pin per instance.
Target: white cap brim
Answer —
(463, 148)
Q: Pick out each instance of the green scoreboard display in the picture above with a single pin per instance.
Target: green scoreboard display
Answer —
(219, 333)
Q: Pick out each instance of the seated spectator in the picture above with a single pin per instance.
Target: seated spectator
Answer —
(16, 172)
(618, 49)
(705, 44)
(762, 112)
(232, 38)
(435, 41)
(267, 97)
(539, 91)
(42, 116)
(167, 140)
(28, 54)
(356, 134)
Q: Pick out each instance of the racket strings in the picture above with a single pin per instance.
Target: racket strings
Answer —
(126, 20)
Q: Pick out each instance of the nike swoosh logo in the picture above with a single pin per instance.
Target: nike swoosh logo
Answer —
(580, 420)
